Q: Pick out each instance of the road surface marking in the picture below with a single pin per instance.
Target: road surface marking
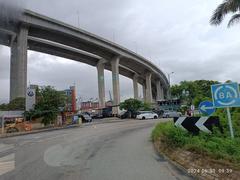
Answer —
(5, 147)
(7, 163)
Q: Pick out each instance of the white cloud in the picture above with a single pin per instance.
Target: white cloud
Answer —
(175, 35)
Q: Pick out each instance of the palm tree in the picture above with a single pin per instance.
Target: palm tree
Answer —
(228, 6)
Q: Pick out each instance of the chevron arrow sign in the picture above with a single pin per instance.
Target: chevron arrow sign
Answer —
(196, 124)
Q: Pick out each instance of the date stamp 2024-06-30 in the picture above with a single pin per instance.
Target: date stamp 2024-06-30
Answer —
(209, 171)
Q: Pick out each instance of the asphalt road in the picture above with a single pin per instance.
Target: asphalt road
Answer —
(106, 151)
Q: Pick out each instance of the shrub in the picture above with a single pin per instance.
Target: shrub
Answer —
(216, 145)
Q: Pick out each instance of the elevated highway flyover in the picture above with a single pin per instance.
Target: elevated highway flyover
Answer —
(40, 33)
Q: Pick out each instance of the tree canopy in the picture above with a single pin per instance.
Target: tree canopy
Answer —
(226, 7)
(131, 105)
(134, 105)
(193, 92)
(47, 105)
(16, 104)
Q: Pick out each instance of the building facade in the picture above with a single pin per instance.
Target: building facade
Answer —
(71, 105)
(91, 106)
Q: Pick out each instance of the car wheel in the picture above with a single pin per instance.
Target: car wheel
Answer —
(155, 117)
(143, 118)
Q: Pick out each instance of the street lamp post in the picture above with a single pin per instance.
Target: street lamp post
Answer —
(170, 94)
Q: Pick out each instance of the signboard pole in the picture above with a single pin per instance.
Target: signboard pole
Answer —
(230, 122)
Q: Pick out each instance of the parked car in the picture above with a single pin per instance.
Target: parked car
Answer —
(107, 112)
(147, 115)
(159, 112)
(85, 117)
(97, 116)
(87, 113)
(124, 115)
(171, 114)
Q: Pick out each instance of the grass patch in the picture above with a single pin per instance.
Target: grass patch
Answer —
(215, 145)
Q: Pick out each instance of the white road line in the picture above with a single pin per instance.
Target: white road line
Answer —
(5, 147)
(7, 163)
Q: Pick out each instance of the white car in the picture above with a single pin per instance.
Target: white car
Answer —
(147, 115)
(171, 114)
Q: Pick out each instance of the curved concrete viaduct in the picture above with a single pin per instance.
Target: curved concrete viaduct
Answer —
(43, 34)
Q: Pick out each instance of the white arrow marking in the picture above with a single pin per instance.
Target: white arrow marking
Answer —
(179, 121)
(200, 124)
(205, 108)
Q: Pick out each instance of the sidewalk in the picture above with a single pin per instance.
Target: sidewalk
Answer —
(96, 121)
(38, 131)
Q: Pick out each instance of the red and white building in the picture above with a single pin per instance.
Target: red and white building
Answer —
(90, 106)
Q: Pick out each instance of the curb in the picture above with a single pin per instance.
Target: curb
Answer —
(8, 135)
(174, 163)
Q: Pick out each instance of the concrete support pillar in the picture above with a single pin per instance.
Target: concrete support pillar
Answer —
(135, 86)
(159, 90)
(144, 92)
(18, 66)
(167, 93)
(115, 84)
(101, 83)
(148, 88)
(162, 93)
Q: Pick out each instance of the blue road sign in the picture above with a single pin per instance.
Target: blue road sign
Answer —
(206, 108)
(225, 95)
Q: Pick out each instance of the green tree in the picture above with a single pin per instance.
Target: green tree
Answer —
(131, 105)
(47, 106)
(134, 105)
(226, 7)
(3, 107)
(146, 107)
(16, 104)
(198, 91)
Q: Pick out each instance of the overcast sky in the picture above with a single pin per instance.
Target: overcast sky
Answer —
(175, 35)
